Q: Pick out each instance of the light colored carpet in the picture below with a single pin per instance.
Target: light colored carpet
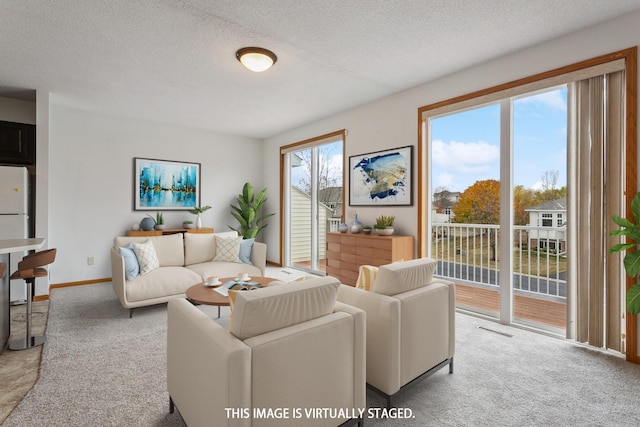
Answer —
(101, 368)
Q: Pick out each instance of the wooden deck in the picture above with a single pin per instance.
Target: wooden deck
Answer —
(551, 313)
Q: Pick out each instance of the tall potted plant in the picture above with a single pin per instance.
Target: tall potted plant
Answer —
(631, 230)
(247, 211)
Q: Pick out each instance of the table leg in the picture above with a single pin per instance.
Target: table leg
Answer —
(218, 312)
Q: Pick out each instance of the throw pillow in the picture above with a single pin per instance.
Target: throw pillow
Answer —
(147, 257)
(131, 266)
(366, 276)
(227, 250)
(246, 246)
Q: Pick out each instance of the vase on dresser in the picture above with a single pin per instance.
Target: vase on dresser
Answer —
(356, 225)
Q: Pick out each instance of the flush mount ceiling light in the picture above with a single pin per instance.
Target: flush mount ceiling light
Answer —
(256, 58)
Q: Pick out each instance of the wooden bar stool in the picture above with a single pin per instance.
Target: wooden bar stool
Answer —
(29, 268)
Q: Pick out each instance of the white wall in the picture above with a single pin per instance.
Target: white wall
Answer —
(393, 121)
(91, 181)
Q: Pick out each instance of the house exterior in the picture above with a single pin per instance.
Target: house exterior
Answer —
(548, 222)
(443, 203)
(301, 227)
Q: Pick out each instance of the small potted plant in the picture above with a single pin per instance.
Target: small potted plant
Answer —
(384, 225)
(367, 229)
(197, 211)
(159, 221)
(187, 224)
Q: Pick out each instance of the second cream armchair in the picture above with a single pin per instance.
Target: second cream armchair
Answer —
(410, 324)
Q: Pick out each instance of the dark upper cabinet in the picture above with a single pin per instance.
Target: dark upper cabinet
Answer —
(17, 143)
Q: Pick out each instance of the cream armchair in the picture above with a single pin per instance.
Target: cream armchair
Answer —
(410, 324)
(289, 349)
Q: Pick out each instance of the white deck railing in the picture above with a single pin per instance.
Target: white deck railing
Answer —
(470, 253)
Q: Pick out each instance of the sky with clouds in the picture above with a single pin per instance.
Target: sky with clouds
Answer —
(465, 146)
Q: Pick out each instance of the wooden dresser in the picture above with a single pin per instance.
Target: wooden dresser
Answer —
(169, 231)
(346, 252)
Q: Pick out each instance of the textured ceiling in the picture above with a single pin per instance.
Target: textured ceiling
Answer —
(174, 61)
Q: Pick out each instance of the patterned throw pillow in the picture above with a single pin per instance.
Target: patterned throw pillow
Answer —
(227, 250)
(366, 276)
(147, 257)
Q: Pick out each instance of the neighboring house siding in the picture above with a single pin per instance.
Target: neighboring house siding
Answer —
(549, 219)
(301, 228)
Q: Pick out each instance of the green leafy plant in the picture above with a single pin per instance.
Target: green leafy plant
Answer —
(159, 219)
(384, 221)
(631, 230)
(247, 211)
(187, 222)
(198, 210)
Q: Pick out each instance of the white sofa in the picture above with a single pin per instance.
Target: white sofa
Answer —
(289, 347)
(184, 260)
(410, 324)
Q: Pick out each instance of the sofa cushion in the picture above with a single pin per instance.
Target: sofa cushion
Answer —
(267, 309)
(223, 269)
(160, 283)
(147, 258)
(131, 266)
(198, 248)
(227, 249)
(245, 250)
(404, 276)
(169, 248)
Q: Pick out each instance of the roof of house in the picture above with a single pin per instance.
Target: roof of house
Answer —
(553, 205)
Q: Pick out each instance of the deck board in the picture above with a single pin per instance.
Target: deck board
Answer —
(551, 313)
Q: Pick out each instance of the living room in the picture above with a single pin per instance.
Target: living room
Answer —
(85, 156)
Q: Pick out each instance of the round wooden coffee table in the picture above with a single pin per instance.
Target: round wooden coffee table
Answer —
(201, 294)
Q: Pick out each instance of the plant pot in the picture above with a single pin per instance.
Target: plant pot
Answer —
(384, 231)
(187, 225)
(159, 227)
(366, 230)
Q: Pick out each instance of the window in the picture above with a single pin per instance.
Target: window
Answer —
(600, 141)
(312, 199)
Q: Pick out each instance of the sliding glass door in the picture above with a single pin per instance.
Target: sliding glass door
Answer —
(498, 173)
(312, 192)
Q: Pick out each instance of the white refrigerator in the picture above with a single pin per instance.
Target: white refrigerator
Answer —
(14, 219)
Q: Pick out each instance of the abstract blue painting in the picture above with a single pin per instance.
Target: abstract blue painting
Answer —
(166, 185)
(382, 178)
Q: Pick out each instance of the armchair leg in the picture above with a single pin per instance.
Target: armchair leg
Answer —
(418, 378)
(130, 313)
(172, 406)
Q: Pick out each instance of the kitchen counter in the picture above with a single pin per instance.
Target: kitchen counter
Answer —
(7, 247)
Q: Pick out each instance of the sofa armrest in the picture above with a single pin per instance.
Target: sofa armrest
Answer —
(383, 335)
(208, 369)
(259, 256)
(360, 334)
(117, 276)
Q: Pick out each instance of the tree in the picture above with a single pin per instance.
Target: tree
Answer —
(479, 204)
(328, 175)
(523, 198)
